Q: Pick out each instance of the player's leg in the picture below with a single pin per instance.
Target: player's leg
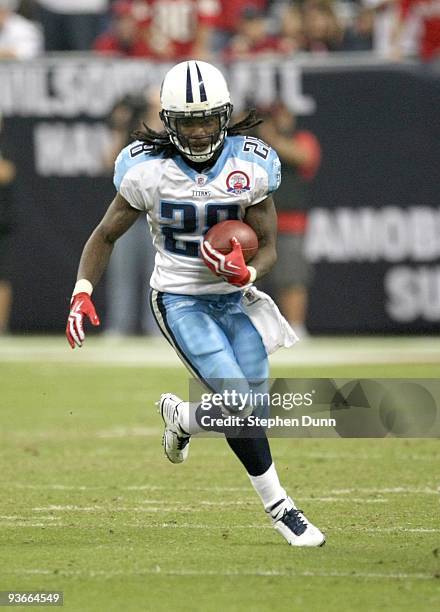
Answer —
(6, 293)
(291, 283)
(5, 305)
(228, 346)
(123, 282)
(188, 324)
(252, 446)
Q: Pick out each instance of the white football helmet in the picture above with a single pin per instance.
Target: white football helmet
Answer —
(194, 90)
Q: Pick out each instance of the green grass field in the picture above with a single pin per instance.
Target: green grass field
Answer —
(90, 506)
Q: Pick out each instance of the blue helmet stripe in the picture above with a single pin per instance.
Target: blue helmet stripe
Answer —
(202, 89)
(189, 93)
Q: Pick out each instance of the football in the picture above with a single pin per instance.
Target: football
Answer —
(219, 237)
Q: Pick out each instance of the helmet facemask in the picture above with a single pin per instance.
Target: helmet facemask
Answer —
(198, 145)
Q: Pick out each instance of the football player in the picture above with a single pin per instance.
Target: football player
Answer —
(198, 171)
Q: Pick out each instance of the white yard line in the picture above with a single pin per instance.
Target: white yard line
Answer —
(170, 506)
(129, 432)
(56, 487)
(217, 572)
(18, 524)
(28, 518)
(11, 518)
(387, 529)
(214, 527)
(255, 503)
(389, 490)
(154, 352)
(421, 490)
(62, 487)
(346, 500)
(111, 433)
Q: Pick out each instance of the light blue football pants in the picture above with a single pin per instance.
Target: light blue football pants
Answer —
(215, 339)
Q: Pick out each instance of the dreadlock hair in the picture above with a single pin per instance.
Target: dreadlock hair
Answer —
(250, 121)
(161, 143)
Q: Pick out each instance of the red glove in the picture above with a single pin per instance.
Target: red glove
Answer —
(81, 306)
(232, 267)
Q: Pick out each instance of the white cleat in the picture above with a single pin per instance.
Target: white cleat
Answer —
(293, 525)
(174, 440)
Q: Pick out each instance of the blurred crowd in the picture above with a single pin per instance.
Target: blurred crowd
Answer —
(225, 30)
(212, 30)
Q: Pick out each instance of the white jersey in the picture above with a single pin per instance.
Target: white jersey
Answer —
(181, 204)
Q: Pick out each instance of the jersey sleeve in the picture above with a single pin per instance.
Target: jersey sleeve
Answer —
(127, 178)
(274, 172)
(269, 180)
(263, 163)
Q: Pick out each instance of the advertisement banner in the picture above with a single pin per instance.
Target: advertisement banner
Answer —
(374, 226)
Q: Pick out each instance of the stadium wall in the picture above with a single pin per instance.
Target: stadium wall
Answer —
(374, 229)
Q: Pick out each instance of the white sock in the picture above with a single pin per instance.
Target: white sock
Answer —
(187, 419)
(268, 487)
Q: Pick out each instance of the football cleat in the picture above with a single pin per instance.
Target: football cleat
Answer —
(293, 525)
(174, 440)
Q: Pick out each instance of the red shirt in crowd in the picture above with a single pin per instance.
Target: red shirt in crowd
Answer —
(231, 11)
(270, 44)
(108, 43)
(295, 221)
(125, 36)
(308, 141)
(173, 24)
(426, 15)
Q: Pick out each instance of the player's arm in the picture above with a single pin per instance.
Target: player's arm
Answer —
(262, 218)
(232, 267)
(119, 217)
